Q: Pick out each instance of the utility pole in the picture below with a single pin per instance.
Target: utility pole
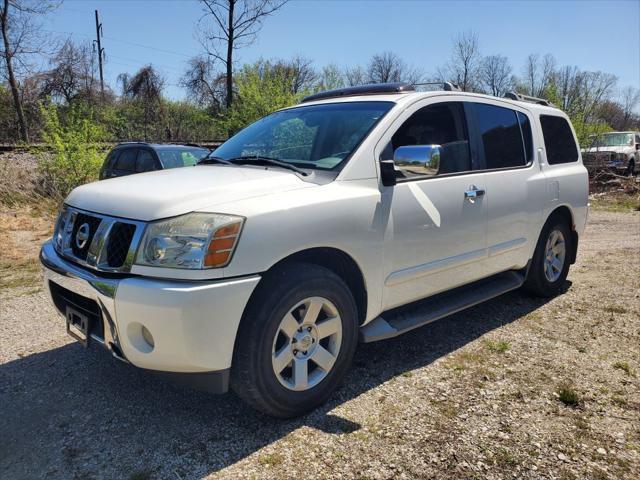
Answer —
(100, 52)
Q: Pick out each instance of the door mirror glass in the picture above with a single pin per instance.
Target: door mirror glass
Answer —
(418, 159)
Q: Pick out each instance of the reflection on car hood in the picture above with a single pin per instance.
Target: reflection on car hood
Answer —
(167, 193)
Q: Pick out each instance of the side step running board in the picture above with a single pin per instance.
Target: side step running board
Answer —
(400, 320)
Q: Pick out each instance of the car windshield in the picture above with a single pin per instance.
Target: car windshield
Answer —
(615, 140)
(175, 157)
(315, 136)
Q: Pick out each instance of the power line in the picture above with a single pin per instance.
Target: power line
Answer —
(123, 41)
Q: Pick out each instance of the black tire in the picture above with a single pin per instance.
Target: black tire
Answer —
(631, 168)
(537, 282)
(252, 375)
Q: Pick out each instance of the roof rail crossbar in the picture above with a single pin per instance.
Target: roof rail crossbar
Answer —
(527, 98)
(447, 86)
(369, 89)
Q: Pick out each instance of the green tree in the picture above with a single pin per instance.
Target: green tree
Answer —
(75, 152)
(261, 89)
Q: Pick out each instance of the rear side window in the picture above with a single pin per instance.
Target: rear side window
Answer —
(146, 162)
(558, 140)
(127, 160)
(502, 138)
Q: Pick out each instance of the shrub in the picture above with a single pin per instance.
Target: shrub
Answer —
(75, 154)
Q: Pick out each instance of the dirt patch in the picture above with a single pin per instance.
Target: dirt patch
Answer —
(514, 388)
(22, 232)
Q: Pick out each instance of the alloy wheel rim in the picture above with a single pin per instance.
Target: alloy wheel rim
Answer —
(307, 344)
(554, 255)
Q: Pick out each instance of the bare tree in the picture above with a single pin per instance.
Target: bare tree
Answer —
(539, 74)
(204, 84)
(71, 75)
(355, 76)
(330, 78)
(596, 88)
(145, 86)
(298, 72)
(228, 25)
(629, 100)
(495, 75)
(389, 67)
(20, 40)
(464, 66)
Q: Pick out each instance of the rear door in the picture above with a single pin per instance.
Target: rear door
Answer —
(125, 163)
(515, 184)
(436, 235)
(146, 161)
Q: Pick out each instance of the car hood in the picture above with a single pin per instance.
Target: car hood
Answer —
(618, 149)
(167, 193)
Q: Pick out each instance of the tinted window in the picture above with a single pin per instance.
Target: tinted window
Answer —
(558, 140)
(146, 162)
(525, 127)
(127, 160)
(440, 124)
(502, 140)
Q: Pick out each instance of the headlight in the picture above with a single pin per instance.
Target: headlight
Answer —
(195, 241)
(63, 225)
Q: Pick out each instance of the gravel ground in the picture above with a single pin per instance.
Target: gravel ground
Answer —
(514, 388)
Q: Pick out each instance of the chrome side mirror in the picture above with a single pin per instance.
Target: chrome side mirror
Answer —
(418, 159)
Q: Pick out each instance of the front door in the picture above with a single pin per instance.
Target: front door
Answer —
(436, 234)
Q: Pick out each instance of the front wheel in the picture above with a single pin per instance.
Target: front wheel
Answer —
(550, 263)
(296, 340)
(631, 169)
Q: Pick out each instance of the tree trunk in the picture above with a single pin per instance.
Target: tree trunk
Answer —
(229, 62)
(24, 136)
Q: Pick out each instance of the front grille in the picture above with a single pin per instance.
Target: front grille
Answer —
(80, 250)
(63, 298)
(119, 242)
(97, 241)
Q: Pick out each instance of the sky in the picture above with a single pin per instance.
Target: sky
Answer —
(593, 35)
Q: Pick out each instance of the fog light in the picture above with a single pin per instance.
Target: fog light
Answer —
(146, 334)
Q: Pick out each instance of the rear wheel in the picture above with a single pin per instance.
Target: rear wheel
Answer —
(550, 263)
(296, 340)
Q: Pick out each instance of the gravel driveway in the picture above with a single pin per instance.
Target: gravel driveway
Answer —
(514, 388)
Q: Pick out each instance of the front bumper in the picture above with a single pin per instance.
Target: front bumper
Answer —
(193, 323)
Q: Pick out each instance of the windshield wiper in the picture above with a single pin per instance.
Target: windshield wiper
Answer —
(212, 159)
(269, 160)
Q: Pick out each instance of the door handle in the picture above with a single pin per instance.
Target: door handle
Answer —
(474, 193)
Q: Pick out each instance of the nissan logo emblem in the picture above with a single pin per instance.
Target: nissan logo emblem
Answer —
(82, 236)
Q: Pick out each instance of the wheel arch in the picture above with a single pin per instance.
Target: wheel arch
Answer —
(340, 263)
(565, 213)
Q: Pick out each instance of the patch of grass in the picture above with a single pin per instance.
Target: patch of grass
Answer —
(20, 274)
(616, 203)
(141, 475)
(504, 458)
(407, 374)
(624, 366)
(497, 347)
(568, 396)
(615, 309)
(619, 401)
(271, 459)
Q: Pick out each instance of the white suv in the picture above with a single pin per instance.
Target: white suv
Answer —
(356, 215)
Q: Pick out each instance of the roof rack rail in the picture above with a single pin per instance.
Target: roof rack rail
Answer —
(526, 98)
(369, 89)
(447, 86)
